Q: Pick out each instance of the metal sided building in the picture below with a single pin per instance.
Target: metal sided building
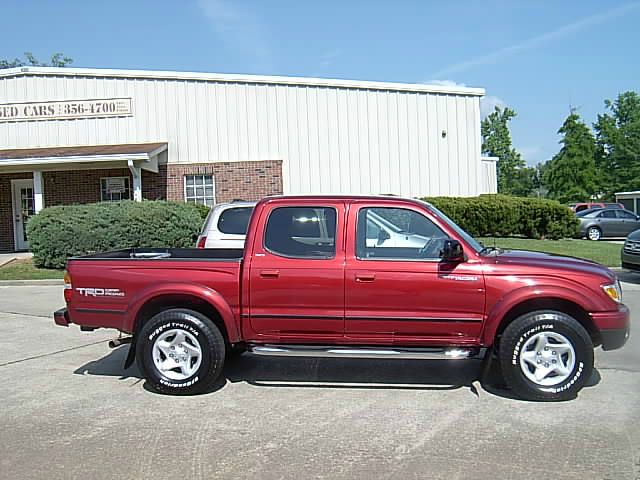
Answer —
(71, 135)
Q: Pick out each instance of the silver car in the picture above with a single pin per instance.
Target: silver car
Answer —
(609, 222)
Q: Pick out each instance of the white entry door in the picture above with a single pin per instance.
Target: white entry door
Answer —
(23, 209)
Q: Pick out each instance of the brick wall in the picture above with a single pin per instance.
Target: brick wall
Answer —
(233, 180)
(77, 186)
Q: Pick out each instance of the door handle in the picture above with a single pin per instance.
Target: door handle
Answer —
(365, 277)
(269, 273)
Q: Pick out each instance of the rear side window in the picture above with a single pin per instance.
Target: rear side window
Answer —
(607, 214)
(580, 208)
(302, 232)
(235, 221)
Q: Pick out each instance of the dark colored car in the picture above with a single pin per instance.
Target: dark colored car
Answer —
(631, 252)
(609, 222)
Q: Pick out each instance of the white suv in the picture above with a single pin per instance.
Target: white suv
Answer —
(226, 225)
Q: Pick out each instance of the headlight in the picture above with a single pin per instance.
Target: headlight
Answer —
(613, 291)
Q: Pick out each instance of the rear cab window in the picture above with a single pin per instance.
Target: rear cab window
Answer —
(307, 232)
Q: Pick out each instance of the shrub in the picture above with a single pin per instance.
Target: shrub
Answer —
(504, 216)
(57, 233)
(203, 210)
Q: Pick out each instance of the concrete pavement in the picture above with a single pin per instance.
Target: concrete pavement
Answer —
(71, 411)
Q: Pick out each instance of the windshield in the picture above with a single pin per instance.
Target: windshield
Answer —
(476, 245)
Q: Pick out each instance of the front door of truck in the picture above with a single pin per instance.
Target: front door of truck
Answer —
(296, 277)
(403, 293)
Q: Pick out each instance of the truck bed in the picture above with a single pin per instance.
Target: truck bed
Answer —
(217, 254)
(108, 288)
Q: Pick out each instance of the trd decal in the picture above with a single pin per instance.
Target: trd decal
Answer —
(100, 292)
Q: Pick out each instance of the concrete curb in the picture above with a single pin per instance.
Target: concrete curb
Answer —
(32, 283)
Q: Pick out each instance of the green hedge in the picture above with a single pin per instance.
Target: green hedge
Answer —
(506, 216)
(57, 233)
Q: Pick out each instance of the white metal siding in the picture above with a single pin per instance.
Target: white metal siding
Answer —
(331, 139)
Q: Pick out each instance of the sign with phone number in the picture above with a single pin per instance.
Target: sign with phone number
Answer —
(67, 109)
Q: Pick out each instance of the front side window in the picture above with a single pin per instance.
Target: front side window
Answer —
(199, 189)
(400, 234)
(302, 232)
(235, 221)
(114, 189)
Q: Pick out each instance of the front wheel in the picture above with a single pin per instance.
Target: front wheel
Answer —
(180, 352)
(546, 355)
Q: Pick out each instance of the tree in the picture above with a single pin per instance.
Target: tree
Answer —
(571, 173)
(57, 60)
(496, 141)
(618, 145)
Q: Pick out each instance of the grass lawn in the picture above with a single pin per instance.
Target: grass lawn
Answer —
(25, 270)
(606, 253)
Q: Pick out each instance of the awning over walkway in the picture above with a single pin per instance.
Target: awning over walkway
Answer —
(143, 155)
(134, 156)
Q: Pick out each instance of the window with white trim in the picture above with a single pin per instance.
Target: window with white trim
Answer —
(114, 189)
(199, 189)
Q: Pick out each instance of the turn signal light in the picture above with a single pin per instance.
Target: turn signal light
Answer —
(68, 289)
(613, 291)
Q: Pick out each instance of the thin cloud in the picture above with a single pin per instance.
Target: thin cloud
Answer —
(446, 83)
(327, 58)
(240, 28)
(537, 41)
(488, 103)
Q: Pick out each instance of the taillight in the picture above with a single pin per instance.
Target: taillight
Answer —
(202, 242)
(68, 289)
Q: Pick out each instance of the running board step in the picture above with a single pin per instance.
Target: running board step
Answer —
(418, 353)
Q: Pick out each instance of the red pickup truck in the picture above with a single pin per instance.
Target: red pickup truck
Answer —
(319, 277)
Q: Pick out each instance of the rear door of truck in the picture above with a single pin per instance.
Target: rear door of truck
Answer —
(296, 275)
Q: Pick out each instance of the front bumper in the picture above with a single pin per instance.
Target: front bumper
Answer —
(614, 327)
(61, 317)
(630, 261)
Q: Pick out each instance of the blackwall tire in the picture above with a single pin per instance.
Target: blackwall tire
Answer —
(546, 355)
(180, 352)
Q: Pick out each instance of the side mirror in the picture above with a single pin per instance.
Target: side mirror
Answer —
(383, 236)
(452, 251)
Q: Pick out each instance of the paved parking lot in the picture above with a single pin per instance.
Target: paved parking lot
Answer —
(69, 410)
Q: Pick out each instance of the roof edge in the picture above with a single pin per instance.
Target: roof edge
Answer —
(240, 78)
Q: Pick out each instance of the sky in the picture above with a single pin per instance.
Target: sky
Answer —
(540, 58)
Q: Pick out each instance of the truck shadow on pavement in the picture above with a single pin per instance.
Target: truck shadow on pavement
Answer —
(275, 372)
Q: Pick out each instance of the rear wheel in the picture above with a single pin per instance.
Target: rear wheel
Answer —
(546, 355)
(180, 352)
(594, 233)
